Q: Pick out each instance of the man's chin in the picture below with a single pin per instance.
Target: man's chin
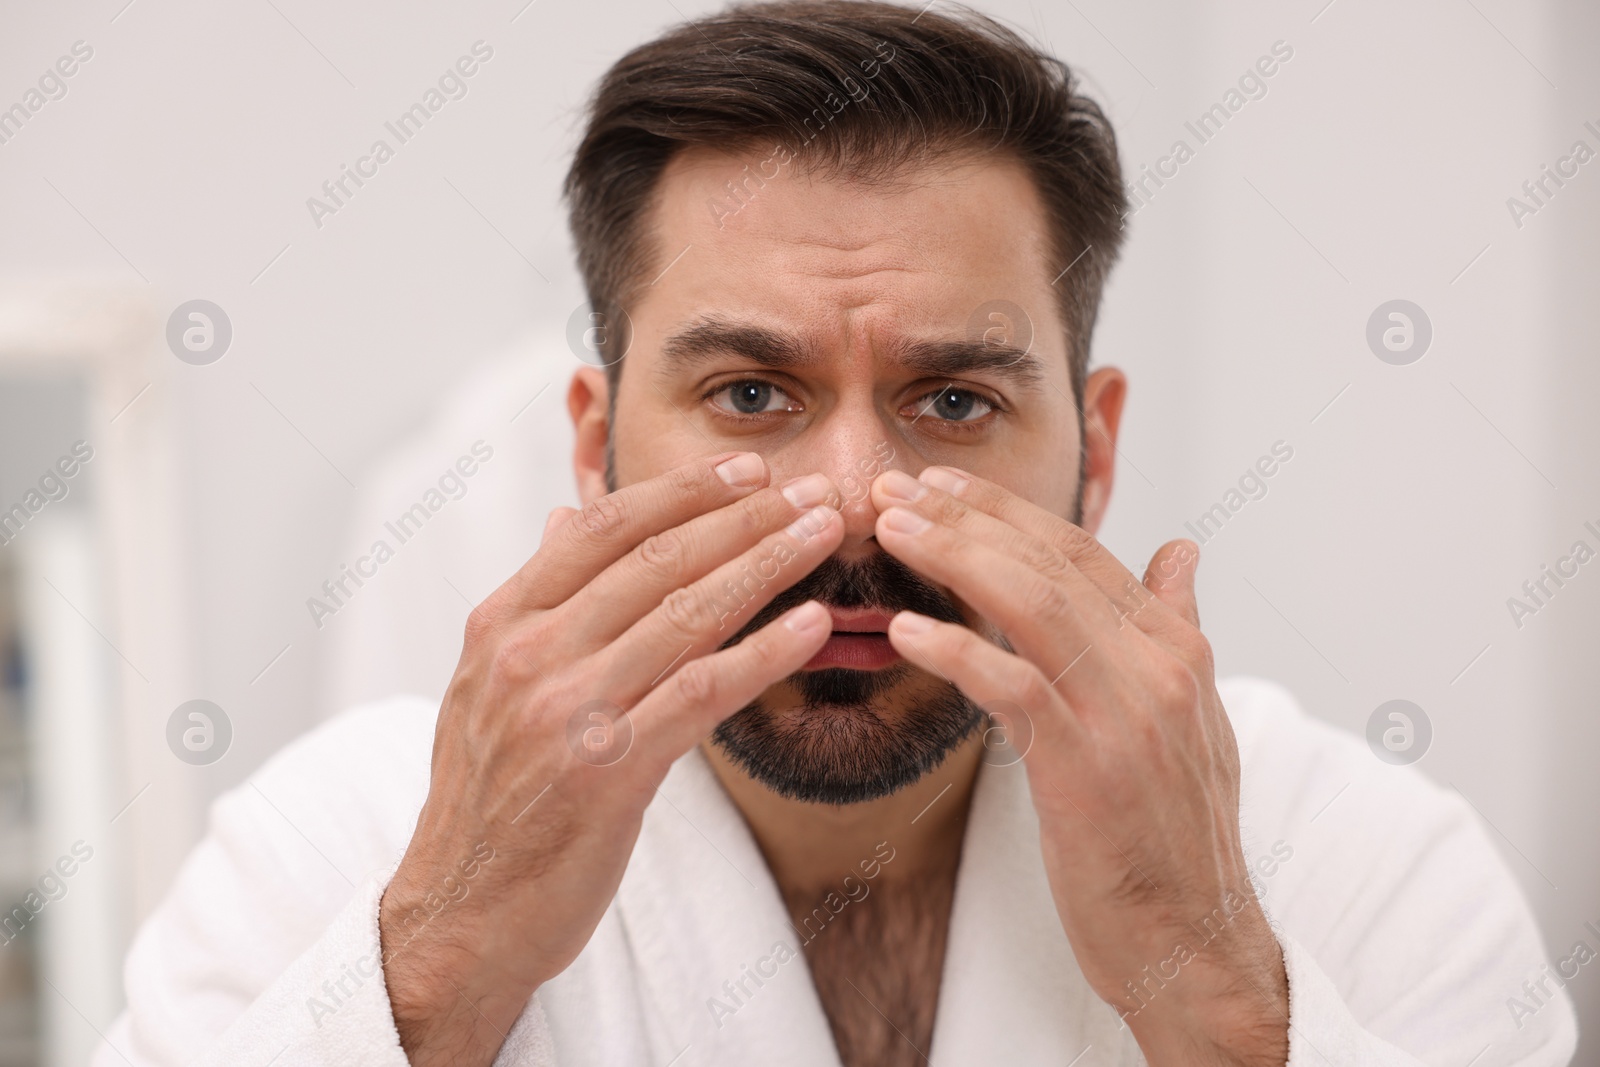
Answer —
(837, 735)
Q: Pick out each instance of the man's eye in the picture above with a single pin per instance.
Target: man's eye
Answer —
(752, 398)
(953, 405)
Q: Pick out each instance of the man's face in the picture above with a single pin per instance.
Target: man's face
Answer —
(844, 328)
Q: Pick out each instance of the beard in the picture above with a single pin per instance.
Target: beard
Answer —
(851, 735)
(841, 741)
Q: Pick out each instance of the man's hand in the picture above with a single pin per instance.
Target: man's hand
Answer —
(1132, 766)
(582, 679)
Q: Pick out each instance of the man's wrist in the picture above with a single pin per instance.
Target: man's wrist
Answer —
(436, 988)
(1228, 1006)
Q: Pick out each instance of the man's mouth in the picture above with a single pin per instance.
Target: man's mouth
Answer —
(860, 641)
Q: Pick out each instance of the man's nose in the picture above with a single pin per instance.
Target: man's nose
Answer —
(851, 446)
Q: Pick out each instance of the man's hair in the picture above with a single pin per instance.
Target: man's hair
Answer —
(853, 88)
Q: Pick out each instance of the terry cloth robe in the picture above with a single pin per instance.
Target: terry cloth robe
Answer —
(1405, 938)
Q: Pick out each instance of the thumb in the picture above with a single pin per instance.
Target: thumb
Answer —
(1170, 577)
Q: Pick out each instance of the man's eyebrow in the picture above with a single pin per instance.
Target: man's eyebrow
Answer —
(711, 339)
(952, 359)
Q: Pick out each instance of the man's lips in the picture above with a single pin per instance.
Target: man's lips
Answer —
(860, 641)
(859, 620)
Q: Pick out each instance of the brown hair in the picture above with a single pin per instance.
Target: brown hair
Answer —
(861, 87)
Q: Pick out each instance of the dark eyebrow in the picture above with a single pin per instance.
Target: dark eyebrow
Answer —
(951, 359)
(707, 340)
(710, 339)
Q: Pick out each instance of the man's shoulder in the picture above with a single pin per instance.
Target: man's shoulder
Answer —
(355, 782)
(283, 853)
(1345, 841)
(1296, 769)
(381, 743)
(1389, 881)
(1271, 726)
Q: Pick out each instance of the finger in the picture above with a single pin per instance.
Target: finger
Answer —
(988, 674)
(898, 489)
(685, 708)
(1128, 597)
(604, 530)
(1171, 576)
(680, 556)
(693, 620)
(1039, 616)
(556, 518)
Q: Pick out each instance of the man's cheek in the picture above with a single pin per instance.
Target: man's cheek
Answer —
(649, 439)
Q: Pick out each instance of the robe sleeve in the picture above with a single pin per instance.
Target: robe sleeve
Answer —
(1322, 1032)
(266, 949)
(1406, 938)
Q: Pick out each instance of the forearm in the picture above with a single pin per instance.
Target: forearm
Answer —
(452, 1004)
(1227, 1005)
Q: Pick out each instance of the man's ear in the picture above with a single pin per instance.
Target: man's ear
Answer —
(1103, 395)
(588, 404)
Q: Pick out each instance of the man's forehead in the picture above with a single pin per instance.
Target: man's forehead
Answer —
(756, 235)
(916, 215)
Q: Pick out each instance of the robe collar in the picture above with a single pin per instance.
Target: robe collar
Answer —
(724, 980)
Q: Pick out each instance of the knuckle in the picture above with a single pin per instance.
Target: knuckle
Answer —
(1040, 558)
(944, 508)
(514, 657)
(697, 682)
(1197, 652)
(752, 517)
(690, 480)
(664, 553)
(1129, 600)
(604, 517)
(762, 510)
(1176, 687)
(480, 628)
(1075, 540)
(683, 611)
(1044, 599)
(1027, 687)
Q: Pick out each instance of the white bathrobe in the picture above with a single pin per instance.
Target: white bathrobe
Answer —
(1403, 933)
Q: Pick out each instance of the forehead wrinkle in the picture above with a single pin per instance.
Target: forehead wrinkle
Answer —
(837, 253)
(876, 260)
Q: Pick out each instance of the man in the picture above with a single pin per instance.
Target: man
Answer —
(826, 732)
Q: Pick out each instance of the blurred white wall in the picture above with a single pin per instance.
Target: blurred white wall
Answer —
(1377, 167)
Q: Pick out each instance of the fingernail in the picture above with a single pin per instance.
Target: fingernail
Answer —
(909, 622)
(742, 471)
(945, 480)
(904, 522)
(807, 491)
(898, 485)
(810, 524)
(808, 618)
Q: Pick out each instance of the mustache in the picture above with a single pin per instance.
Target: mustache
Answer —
(880, 582)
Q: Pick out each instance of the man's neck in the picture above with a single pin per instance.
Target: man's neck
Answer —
(868, 888)
(811, 847)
